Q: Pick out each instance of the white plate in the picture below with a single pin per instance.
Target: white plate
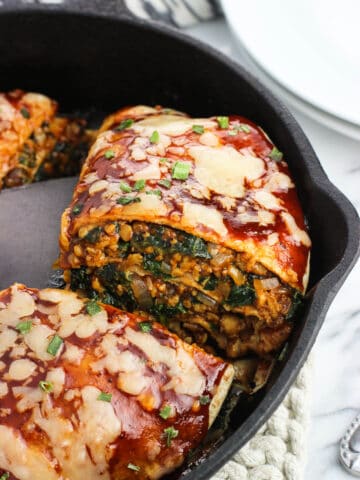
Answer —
(311, 48)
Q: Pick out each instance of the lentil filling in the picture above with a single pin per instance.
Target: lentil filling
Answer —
(55, 149)
(206, 293)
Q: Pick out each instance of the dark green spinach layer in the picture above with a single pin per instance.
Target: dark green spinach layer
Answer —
(201, 291)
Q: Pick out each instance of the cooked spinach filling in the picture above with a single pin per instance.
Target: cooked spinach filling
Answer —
(80, 280)
(53, 150)
(204, 292)
(27, 156)
(184, 243)
(241, 295)
(157, 268)
(93, 235)
(209, 283)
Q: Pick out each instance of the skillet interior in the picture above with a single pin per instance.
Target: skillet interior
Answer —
(85, 60)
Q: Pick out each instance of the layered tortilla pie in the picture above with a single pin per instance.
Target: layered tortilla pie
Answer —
(88, 391)
(34, 143)
(194, 220)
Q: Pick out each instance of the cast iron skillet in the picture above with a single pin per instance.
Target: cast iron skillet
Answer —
(95, 55)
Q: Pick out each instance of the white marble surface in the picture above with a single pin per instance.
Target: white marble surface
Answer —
(336, 385)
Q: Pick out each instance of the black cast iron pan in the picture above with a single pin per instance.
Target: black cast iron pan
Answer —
(94, 57)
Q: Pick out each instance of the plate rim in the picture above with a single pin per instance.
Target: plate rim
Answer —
(229, 8)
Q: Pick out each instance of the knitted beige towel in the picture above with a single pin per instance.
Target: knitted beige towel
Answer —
(277, 451)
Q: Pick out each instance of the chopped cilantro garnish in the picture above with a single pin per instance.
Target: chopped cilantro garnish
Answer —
(204, 399)
(198, 129)
(244, 128)
(24, 327)
(239, 128)
(125, 124)
(127, 200)
(165, 412)
(139, 185)
(25, 112)
(223, 122)
(54, 345)
(163, 160)
(46, 386)
(155, 137)
(181, 171)
(5, 476)
(276, 155)
(164, 183)
(77, 208)
(125, 187)
(105, 397)
(92, 307)
(110, 154)
(170, 433)
(133, 467)
(154, 192)
(145, 327)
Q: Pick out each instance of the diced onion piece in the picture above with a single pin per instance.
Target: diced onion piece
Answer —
(218, 259)
(238, 277)
(269, 283)
(141, 292)
(166, 268)
(210, 302)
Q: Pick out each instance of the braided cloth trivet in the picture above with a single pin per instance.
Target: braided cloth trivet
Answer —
(277, 451)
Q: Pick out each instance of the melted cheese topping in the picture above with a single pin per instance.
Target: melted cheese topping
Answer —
(21, 305)
(170, 124)
(296, 233)
(224, 169)
(20, 369)
(148, 205)
(3, 389)
(28, 397)
(15, 128)
(186, 376)
(56, 377)
(232, 190)
(22, 460)
(38, 340)
(195, 214)
(73, 354)
(278, 182)
(152, 171)
(267, 200)
(82, 453)
(7, 339)
(96, 400)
